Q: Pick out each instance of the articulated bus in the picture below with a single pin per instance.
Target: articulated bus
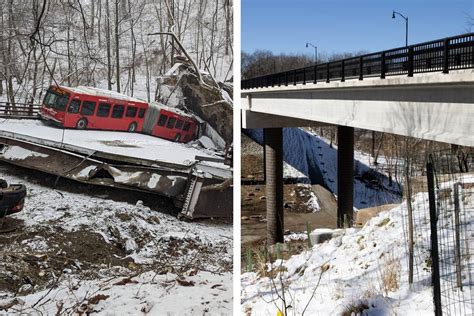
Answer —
(93, 108)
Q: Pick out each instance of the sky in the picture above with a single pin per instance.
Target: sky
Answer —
(336, 26)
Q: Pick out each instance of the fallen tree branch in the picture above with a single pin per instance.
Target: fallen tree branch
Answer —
(188, 57)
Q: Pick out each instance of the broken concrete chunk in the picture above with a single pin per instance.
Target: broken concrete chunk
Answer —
(320, 235)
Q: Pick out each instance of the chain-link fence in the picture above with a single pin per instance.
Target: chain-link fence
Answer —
(453, 189)
(442, 260)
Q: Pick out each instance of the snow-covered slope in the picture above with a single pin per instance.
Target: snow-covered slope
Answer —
(313, 157)
(366, 266)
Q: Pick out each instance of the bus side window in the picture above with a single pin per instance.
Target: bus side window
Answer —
(131, 111)
(170, 124)
(74, 106)
(162, 120)
(88, 108)
(179, 124)
(103, 110)
(186, 127)
(117, 112)
(141, 113)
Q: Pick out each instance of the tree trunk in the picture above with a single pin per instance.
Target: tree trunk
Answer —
(134, 49)
(107, 36)
(117, 45)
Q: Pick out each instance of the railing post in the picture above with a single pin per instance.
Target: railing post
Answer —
(304, 76)
(286, 78)
(343, 74)
(7, 107)
(446, 56)
(315, 74)
(382, 65)
(279, 80)
(327, 73)
(410, 61)
(361, 68)
(294, 77)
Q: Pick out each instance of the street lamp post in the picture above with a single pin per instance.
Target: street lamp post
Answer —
(406, 24)
(315, 51)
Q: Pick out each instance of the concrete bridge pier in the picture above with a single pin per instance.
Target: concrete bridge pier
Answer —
(345, 176)
(273, 138)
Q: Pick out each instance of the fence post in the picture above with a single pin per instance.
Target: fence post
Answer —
(446, 56)
(457, 247)
(7, 107)
(435, 277)
(410, 222)
(361, 68)
(304, 75)
(410, 61)
(286, 78)
(294, 77)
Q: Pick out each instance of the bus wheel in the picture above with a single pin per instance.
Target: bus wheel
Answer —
(132, 127)
(81, 124)
(177, 137)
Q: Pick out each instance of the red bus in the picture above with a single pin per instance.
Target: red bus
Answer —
(171, 124)
(93, 108)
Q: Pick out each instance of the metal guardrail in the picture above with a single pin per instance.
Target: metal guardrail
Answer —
(446, 54)
(19, 110)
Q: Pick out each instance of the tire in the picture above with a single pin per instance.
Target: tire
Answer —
(132, 127)
(177, 138)
(81, 123)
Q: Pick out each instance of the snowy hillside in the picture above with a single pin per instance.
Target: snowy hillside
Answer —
(106, 44)
(363, 269)
(313, 157)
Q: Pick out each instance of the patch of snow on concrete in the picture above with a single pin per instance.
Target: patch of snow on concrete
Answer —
(84, 173)
(153, 181)
(206, 142)
(19, 153)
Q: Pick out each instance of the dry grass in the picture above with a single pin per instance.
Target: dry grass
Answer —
(390, 274)
(355, 308)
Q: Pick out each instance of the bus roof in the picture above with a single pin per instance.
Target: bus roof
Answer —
(102, 93)
(171, 109)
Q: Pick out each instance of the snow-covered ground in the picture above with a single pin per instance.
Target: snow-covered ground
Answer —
(364, 268)
(120, 143)
(128, 259)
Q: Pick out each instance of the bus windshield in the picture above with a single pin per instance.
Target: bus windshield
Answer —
(56, 100)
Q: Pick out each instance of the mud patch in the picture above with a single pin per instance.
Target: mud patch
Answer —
(32, 261)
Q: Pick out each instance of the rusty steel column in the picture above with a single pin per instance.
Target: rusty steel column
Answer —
(345, 176)
(274, 183)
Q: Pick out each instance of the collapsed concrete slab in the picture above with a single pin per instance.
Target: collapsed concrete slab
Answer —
(197, 181)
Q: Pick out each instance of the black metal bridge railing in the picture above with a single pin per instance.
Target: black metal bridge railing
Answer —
(446, 54)
(19, 110)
